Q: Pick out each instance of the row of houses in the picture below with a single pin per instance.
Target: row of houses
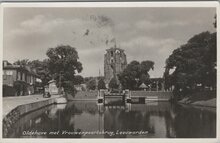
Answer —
(19, 80)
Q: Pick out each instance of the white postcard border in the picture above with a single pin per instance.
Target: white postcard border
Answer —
(115, 4)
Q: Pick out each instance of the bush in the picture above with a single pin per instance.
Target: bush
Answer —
(69, 88)
(8, 91)
(113, 84)
(101, 84)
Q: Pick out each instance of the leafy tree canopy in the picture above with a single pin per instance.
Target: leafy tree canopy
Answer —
(78, 79)
(113, 84)
(136, 73)
(193, 63)
(63, 64)
(23, 62)
(41, 68)
(101, 84)
(91, 85)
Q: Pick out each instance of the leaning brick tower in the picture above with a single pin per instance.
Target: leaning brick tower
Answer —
(114, 63)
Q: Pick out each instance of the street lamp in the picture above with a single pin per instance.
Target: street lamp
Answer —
(137, 79)
(60, 75)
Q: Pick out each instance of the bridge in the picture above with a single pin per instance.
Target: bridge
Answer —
(114, 99)
(132, 97)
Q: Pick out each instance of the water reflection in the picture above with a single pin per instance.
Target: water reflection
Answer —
(154, 119)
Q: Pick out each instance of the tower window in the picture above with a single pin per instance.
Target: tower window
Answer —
(117, 52)
(111, 53)
(112, 60)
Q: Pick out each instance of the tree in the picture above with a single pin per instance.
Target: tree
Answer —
(23, 62)
(69, 87)
(113, 84)
(194, 63)
(91, 85)
(39, 67)
(87, 79)
(101, 84)
(63, 64)
(135, 73)
(78, 79)
(42, 70)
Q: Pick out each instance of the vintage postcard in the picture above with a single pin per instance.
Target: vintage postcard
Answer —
(130, 71)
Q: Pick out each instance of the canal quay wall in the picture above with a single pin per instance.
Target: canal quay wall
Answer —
(15, 107)
(152, 95)
(84, 95)
(148, 95)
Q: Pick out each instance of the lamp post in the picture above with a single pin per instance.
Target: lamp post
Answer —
(137, 79)
(60, 75)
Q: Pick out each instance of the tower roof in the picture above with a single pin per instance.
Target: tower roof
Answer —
(114, 49)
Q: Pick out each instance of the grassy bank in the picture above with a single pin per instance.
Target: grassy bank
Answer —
(205, 98)
(83, 95)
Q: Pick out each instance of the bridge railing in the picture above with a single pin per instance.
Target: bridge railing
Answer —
(102, 92)
(159, 94)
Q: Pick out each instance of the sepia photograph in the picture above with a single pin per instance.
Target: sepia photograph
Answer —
(114, 70)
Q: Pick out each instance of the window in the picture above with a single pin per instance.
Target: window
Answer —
(112, 60)
(4, 77)
(31, 79)
(19, 75)
(117, 52)
(9, 72)
(111, 53)
(23, 77)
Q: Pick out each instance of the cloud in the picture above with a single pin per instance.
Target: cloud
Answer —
(41, 32)
(41, 24)
(92, 61)
(37, 25)
(148, 48)
(147, 42)
(147, 25)
(122, 26)
(144, 33)
(65, 31)
(102, 21)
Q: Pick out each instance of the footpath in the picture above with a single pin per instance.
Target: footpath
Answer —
(10, 103)
(15, 107)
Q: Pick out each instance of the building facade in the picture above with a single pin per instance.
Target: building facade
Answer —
(114, 63)
(53, 89)
(17, 80)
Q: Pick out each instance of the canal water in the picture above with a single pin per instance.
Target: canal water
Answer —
(91, 120)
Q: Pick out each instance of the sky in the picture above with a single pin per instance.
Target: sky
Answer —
(144, 33)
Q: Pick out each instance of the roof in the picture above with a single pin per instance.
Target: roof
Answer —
(142, 86)
(19, 67)
(114, 49)
(51, 81)
(12, 67)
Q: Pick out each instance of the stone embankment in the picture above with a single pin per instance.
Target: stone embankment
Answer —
(15, 107)
(148, 95)
(152, 95)
(83, 96)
